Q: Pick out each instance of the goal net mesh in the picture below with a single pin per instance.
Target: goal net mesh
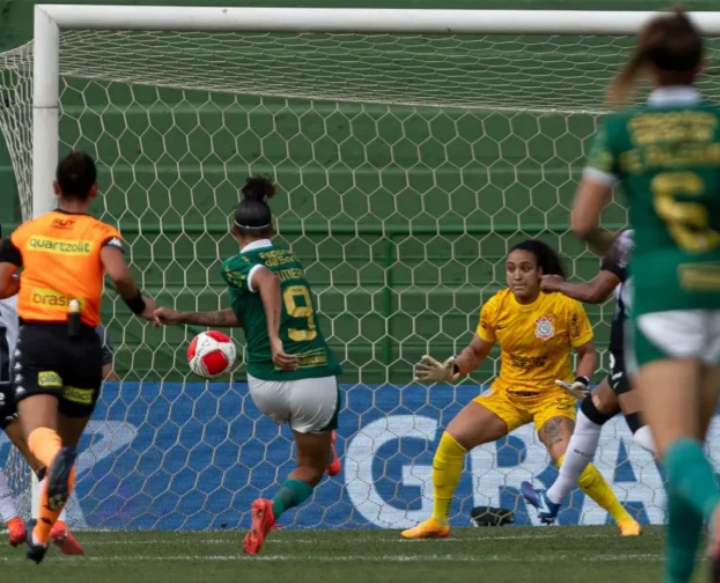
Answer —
(407, 167)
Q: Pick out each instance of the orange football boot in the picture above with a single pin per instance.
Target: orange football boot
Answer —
(63, 539)
(17, 534)
(263, 520)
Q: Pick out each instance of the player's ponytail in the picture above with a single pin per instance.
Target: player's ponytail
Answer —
(258, 188)
(671, 44)
(547, 258)
(253, 215)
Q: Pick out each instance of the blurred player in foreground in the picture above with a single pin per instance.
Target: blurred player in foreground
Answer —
(537, 332)
(666, 154)
(612, 396)
(57, 371)
(292, 372)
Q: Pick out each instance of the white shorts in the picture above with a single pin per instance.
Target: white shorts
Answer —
(676, 334)
(307, 405)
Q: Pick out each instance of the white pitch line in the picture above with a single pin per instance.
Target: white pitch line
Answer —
(232, 539)
(358, 558)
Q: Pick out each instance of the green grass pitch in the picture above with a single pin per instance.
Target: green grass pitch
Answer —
(492, 555)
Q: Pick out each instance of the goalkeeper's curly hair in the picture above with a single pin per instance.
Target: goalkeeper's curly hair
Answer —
(547, 258)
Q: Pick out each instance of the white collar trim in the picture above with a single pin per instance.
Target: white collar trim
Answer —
(259, 244)
(679, 95)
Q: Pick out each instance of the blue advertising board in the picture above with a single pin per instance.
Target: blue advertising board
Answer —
(194, 456)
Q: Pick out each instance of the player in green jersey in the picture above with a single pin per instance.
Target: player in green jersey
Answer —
(666, 155)
(292, 373)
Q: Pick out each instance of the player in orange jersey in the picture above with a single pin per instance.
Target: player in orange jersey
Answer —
(57, 372)
(537, 332)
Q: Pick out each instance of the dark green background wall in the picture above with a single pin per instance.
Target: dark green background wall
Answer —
(362, 190)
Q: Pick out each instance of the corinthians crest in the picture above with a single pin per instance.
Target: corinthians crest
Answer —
(544, 328)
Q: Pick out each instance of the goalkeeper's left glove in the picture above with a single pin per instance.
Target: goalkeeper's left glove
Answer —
(578, 388)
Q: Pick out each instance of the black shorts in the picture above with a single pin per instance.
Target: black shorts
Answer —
(49, 362)
(618, 378)
(8, 408)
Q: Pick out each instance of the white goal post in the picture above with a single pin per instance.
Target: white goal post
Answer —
(412, 147)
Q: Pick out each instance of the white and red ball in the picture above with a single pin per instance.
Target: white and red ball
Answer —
(211, 354)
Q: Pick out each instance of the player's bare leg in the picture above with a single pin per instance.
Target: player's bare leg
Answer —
(556, 433)
(680, 397)
(598, 408)
(42, 431)
(334, 466)
(70, 431)
(60, 535)
(473, 426)
(595, 410)
(313, 450)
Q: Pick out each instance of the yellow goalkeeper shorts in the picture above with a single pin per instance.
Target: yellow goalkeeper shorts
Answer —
(519, 408)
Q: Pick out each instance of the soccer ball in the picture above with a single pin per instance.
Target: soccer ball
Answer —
(211, 354)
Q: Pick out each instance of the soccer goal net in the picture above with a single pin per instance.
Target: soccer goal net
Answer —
(411, 148)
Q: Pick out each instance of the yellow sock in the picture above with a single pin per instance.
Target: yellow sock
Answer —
(447, 468)
(594, 485)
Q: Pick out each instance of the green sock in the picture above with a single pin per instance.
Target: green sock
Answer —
(682, 537)
(291, 493)
(691, 476)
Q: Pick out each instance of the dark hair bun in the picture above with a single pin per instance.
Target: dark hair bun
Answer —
(258, 188)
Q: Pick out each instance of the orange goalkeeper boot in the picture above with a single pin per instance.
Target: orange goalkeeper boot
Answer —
(431, 528)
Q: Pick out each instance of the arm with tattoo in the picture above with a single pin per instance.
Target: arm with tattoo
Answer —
(220, 319)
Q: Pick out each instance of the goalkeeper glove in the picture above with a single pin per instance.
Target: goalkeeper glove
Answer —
(578, 388)
(433, 371)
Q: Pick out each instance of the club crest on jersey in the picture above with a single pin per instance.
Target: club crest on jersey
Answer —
(544, 328)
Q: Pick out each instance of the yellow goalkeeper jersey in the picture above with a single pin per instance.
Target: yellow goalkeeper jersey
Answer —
(536, 340)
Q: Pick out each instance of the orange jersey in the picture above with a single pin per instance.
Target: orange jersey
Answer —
(61, 261)
(536, 340)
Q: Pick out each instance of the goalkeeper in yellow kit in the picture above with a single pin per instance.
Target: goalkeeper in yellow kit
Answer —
(536, 332)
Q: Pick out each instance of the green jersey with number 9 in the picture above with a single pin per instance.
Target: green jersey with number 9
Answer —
(667, 156)
(299, 326)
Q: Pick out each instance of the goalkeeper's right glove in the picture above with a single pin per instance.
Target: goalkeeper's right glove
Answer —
(430, 370)
(578, 389)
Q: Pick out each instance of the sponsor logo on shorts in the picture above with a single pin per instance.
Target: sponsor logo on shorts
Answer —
(49, 379)
(544, 328)
(52, 300)
(60, 246)
(80, 396)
